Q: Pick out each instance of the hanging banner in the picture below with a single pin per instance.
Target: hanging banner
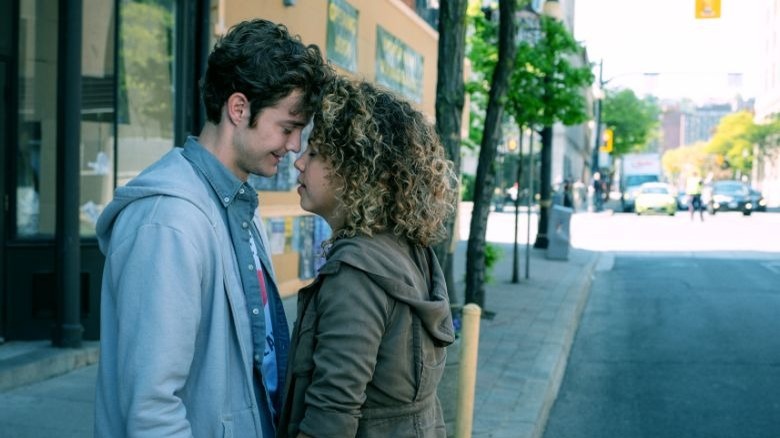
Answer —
(342, 34)
(398, 66)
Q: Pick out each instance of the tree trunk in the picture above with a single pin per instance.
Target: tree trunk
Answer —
(449, 108)
(491, 135)
(545, 184)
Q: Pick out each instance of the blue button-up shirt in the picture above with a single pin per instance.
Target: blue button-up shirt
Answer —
(239, 202)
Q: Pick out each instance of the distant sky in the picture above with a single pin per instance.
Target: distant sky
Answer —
(693, 57)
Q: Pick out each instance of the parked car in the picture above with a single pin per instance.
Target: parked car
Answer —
(683, 200)
(759, 203)
(729, 195)
(655, 197)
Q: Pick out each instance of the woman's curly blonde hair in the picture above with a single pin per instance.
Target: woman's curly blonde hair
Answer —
(387, 163)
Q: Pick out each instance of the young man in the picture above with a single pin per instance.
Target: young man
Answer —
(194, 340)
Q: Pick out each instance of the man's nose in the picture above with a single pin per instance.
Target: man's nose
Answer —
(294, 145)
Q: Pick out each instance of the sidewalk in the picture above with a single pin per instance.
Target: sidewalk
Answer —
(524, 346)
(523, 351)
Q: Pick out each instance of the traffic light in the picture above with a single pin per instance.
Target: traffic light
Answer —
(707, 8)
(608, 141)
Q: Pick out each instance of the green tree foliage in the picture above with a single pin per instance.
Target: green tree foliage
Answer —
(482, 52)
(545, 87)
(733, 142)
(766, 135)
(145, 64)
(633, 120)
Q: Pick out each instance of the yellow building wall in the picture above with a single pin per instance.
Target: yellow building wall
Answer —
(308, 18)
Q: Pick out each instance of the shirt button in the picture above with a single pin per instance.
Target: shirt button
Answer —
(251, 267)
(241, 191)
(256, 311)
(226, 199)
(244, 225)
(257, 358)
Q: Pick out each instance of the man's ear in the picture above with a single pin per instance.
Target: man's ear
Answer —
(237, 107)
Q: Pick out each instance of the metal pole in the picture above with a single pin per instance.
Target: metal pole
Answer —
(545, 185)
(68, 329)
(530, 199)
(597, 141)
(518, 180)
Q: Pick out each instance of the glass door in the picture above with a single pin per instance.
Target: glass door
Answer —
(4, 209)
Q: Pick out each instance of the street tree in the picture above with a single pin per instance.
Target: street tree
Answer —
(684, 160)
(449, 106)
(546, 88)
(766, 135)
(633, 120)
(732, 141)
(491, 135)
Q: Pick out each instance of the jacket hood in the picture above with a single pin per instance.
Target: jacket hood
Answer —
(153, 181)
(409, 274)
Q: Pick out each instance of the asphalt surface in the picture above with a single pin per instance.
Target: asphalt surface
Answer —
(676, 347)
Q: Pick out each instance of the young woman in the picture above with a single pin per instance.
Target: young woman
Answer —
(368, 348)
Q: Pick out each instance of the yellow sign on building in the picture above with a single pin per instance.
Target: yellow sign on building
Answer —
(707, 9)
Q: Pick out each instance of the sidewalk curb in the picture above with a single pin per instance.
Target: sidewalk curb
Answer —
(569, 321)
(45, 363)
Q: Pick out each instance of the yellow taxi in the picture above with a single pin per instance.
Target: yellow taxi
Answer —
(656, 197)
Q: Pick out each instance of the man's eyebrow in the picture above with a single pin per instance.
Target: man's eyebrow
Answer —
(296, 123)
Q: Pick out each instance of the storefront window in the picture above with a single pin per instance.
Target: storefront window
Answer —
(97, 112)
(37, 120)
(145, 81)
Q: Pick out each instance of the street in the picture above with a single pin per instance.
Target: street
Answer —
(678, 338)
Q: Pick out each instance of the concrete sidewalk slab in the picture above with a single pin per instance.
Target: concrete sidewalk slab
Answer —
(524, 348)
(522, 356)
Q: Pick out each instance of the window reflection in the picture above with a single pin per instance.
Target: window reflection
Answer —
(37, 121)
(145, 107)
(97, 112)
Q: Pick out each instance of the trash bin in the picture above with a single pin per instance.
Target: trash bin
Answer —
(558, 232)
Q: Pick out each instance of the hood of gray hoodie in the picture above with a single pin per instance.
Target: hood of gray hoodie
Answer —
(409, 274)
(172, 175)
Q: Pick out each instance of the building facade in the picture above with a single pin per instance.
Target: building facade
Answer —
(766, 164)
(74, 131)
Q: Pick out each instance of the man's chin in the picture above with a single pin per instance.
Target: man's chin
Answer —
(268, 173)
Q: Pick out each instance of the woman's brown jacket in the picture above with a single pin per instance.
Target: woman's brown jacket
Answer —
(368, 347)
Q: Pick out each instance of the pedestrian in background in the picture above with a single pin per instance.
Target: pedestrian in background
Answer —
(368, 348)
(194, 339)
(693, 188)
(598, 192)
(568, 194)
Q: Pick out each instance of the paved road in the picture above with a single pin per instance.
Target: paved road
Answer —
(678, 344)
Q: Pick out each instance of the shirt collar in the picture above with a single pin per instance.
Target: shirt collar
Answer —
(224, 183)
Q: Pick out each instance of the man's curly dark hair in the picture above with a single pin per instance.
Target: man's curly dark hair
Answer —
(264, 62)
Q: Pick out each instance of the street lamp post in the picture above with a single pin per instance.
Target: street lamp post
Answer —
(552, 9)
(595, 158)
(530, 26)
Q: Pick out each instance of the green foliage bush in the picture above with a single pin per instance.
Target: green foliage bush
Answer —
(467, 187)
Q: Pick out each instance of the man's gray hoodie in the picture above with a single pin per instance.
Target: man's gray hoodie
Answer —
(176, 346)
